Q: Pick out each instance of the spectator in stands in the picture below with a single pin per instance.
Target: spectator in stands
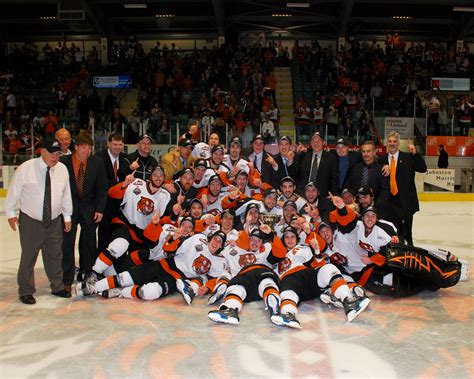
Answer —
(464, 113)
(443, 161)
(51, 123)
(268, 130)
(432, 104)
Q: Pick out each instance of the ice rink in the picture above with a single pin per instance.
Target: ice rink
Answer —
(427, 336)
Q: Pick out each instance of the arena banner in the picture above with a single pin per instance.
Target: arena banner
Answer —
(272, 148)
(441, 178)
(402, 125)
(454, 146)
(113, 82)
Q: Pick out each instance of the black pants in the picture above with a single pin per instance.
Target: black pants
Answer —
(402, 221)
(87, 248)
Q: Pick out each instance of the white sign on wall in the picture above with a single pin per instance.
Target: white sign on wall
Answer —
(402, 125)
(442, 178)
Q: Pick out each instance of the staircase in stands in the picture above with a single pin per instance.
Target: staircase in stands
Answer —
(284, 98)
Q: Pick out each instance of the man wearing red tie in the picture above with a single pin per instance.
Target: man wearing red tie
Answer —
(403, 200)
(113, 158)
(88, 184)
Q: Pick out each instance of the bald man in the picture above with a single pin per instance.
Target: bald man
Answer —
(63, 136)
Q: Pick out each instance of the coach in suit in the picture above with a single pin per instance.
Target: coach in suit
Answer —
(283, 163)
(260, 159)
(369, 173)
(113, 158)
(403, 199)
(88, 184)
(318, 166)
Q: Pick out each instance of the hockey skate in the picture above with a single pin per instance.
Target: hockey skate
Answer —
(84, 289)
(327, 297)
(225, 316)
(92, 277)
(358, 291)
(287, 319)
(353, 306)
(185, 290)
(112, 292)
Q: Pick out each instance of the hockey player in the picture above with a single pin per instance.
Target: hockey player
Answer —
(216, 161)
(195, 258)
(225, 225)
(392, 269)
(288, 188)
(249, 277)
(304, 273)
(140, 200)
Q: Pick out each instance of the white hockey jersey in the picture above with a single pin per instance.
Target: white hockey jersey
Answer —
(233, 235)
(238, 258)
(139, 205)
(201, 150)
(193, 258)
(294, 259)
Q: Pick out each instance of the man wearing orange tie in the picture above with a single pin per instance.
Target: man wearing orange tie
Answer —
(403, 200)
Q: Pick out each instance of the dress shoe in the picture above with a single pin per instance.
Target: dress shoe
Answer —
(67, 288)
(62, 293)
(28, 299)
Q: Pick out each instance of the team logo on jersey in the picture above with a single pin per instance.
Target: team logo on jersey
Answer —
(233, 252)
(137, 191)
(284, 265)
(367, 247)
(247, 259)
(201, 265)
(145, 206)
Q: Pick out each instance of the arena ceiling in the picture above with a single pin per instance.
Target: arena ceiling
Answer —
(418, 19)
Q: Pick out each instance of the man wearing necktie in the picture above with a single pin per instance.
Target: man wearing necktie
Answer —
(88, 181)
(318, 166)
(260, 158)
(41, 188)
(403, 199)
(284, 162)
(113, 158)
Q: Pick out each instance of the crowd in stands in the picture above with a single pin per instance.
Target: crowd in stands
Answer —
(230, 88)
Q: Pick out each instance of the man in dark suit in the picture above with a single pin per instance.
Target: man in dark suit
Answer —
(113, 158)
(88, 184)
(369, 173)
(403, 199)
(261, 159)
(283, 163)
(346, 160)
(318, 166)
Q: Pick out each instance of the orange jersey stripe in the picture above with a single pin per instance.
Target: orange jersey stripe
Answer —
(167, 268)
(135, 258)
(105, 259)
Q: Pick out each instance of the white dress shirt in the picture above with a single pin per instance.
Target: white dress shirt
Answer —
(27, 188)
(395, 156)
(113, 159)
(258, 161)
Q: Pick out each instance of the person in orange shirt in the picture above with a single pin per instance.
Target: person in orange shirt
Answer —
(50, 123)
(270, 84)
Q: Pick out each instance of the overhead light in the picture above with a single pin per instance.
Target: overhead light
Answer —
(463, 9)
(164, 15)
(135, 6)
(281, 15)
(297, 5)
(48, 18)
(402, 17)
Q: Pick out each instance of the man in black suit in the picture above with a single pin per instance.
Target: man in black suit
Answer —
(283, 163)
(88, 184)
(403, 199)
(346, 160)
(261, 159)
(113, 158)
(318, 166)
(369, 173)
